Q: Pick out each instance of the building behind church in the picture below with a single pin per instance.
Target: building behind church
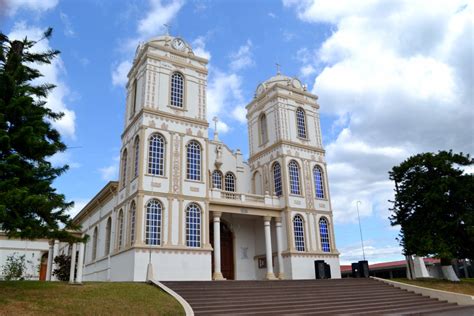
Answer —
(190, 206)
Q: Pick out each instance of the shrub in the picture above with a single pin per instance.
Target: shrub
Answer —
(63, 264)
(14, 267)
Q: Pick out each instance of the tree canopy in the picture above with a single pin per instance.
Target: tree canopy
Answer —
(30, 207)
(434, 205)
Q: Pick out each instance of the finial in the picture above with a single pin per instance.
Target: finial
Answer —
(278, 68)
(215, 120)
(167, 27)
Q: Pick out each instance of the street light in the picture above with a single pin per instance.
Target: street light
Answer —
(360, 229)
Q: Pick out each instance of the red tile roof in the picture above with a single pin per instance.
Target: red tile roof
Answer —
(390, 264)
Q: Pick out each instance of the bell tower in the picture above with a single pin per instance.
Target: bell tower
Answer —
(164, 142)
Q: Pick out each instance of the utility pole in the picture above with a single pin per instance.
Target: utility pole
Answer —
(360, 229)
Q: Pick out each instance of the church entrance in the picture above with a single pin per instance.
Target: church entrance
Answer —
(227, 250)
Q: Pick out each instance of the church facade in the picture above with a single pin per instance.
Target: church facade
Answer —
(187, 207)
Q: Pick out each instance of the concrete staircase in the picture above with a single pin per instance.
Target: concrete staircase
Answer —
(308, 297)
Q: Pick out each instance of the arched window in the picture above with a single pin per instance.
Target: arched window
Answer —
(229, 182)
(257, 183)
(156, 155)
(277, 179)
(299, 232)
(301, 122)
(120, 229)
(94, 244)
(177, 89)
(294, 171)
(263, 129)
(194, 161)
(324, 233)
(136, 158)
(108, 234)
(154, 211)
(124, 167)
(318, 182)
(132, 223)
(193, 225)
(217, 179)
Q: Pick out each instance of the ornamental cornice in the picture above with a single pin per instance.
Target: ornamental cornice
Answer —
(292, 253)
(283, 143)
(107, 192)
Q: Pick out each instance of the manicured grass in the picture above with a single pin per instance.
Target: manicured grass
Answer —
(466, 286)
(91, 298)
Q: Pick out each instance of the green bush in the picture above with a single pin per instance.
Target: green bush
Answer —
(14, 267)
(63, 264)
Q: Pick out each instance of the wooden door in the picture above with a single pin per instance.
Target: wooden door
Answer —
(227, 250)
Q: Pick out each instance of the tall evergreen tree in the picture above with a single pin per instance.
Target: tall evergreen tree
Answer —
(434, 205)
(29, 205)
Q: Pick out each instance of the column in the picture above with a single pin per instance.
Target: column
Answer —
(420, 268)
(281, 271)
(55, 254)
(80, 263)
(217, 275)
(268, 248)
(73, 263)
(50, 262)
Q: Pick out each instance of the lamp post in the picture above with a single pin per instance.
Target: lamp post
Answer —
(360, 229)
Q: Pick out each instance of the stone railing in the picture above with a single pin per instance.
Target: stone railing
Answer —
(246, 198)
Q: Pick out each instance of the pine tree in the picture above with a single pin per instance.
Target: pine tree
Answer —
(29, 205)
(434, 205)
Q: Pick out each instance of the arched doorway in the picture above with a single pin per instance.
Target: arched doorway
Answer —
(227, 250)
(43, 266)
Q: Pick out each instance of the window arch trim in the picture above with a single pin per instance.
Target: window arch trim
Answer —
(294, 177)
(230, 186)
(193, 221)
(324, 234)
(318, 180)
(156, 155)
(301, 123)
(299, 232)
(277, 180)
(217, 179)
(177, 97)
(154, 222)
(194, 161)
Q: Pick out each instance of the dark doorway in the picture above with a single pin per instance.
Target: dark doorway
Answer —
(227, 250)
(43, 266)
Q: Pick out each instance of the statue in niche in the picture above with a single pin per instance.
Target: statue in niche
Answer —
(218, 162)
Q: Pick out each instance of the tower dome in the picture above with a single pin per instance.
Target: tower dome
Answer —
(279, 79)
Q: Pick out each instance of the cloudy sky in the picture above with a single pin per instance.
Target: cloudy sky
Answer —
(394, 78)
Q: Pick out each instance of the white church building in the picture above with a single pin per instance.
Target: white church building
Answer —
(190, 206)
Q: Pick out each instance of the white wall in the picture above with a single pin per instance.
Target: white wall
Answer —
(32, 249)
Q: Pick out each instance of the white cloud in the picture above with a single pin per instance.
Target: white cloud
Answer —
(239, 113)
(68, 30)
(120, 72)
(243, 58)
(223, 94)
(373, 253)
(158, 15)
(272, 15)
(10, 7)
(110, 172)
(78, 206)
(152, 24)
(199, 48)
(307, 71)
(398, 76)
(52, 73)
(61, 158)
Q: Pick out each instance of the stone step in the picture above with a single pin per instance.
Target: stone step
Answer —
(320, 305)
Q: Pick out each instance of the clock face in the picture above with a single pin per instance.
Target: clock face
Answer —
(297, 84)
(178, 44)
(260, 88)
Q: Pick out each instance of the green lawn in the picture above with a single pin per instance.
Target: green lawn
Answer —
(92, 298)
(466, 286)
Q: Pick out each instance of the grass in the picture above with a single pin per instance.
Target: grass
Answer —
(91, 298)
(466, 286)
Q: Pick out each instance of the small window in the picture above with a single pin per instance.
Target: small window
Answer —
(124, 168)
(229, 184)
(108, 234)
(120, 229)
(301, 122)
(194, 161)
(94, 244)
(324, 233)
(153, 222)
(299, 232)
(193, 225)
(132, 223)
(156, 155)
(277, 179)
(263, 129)
(177, 90)
(217, 179)
(318, 182)
(134, 99)
(136, 149)
(294, 171)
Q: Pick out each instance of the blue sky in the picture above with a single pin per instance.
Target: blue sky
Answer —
(393, 79)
